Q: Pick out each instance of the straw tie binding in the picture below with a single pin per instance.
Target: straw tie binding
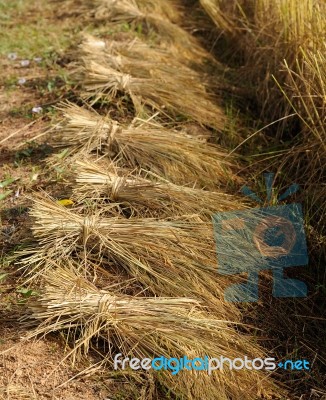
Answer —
(115, 128)
(117, 183)
(109, 128)
(107, 303)
(88, 225)
(123, 81)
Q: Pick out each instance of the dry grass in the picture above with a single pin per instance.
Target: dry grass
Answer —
(15, 392)
(150, 196)
(266, 34)
(158, 19)
(171, 257)
(148, 327)
(147, 146)
(281, 49)
(282, 44)
(306, 93)
(149, 76)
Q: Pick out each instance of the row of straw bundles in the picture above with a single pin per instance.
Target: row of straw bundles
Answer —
(145, 327)
(149, 146)
(171, 260)
(169, 86)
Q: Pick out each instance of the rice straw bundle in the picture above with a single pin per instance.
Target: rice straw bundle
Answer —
(168, 257)
(159, 16)
(80, 8)
(144, 63)
(134, 50)
(159, 198)
(150, 327)
(122, 10)
(125, 53)
(149, 146)
(167, 87)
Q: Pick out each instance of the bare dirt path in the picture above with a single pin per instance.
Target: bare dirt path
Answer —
(32, 79)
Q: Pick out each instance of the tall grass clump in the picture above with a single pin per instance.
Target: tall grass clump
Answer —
(264, 34)
(306, 94)
(281, 45)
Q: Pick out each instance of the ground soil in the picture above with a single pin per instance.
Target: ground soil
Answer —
(32, 369)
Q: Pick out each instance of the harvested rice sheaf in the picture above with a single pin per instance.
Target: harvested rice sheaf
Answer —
(168, 90)
(148, 146)
(139, 56)
(149, 76)
(150, 327)
(159, 17)
(132, 9)
(169, 257)
(150, 196)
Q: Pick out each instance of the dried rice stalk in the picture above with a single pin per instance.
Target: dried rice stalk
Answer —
(138, 51)
(223, 13)
(122, 10)
(17, 392)
(80, 8)
(168, 153)
(168, 87)
(171, 258)
(157, 198)
(161, 16)
(149, 327)
(132, 56)
(142, 60)
(135, 49)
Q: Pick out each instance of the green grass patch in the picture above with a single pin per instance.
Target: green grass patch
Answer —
(22, 32)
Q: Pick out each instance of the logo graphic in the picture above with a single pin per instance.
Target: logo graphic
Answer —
(266, 238)
(209, 364)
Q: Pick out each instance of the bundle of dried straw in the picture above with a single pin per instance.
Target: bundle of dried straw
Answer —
(173, 257)
(150, 196)
(149, 146)
(158, 16)
(149, 327)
